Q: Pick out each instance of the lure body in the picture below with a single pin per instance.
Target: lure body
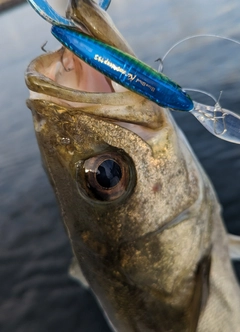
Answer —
(125, 69)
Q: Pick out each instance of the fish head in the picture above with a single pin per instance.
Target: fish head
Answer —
(137, 140)
(84, 132)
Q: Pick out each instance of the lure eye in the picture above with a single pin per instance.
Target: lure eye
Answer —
(106, 177)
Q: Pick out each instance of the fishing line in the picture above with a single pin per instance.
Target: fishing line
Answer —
(161, 60)
(205, 93)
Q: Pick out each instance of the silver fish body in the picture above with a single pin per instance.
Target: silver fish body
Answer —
(150, 243)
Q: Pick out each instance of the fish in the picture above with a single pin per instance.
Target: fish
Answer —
(141, 215)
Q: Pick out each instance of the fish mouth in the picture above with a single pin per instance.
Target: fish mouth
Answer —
(71, 72)
(64, 79)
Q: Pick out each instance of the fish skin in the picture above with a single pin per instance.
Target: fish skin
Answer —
(156, 257)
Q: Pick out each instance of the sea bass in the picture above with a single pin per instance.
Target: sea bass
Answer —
(141, 215)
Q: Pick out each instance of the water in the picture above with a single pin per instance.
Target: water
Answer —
(36, 293)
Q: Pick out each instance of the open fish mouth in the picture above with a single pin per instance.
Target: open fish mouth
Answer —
(71, 72)
(66, 71)
(62, 78)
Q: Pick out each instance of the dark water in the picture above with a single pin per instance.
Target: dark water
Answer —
(36, 293)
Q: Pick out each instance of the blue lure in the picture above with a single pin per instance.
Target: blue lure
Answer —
(125, 69)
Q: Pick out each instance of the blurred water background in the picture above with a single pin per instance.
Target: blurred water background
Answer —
(36, 294)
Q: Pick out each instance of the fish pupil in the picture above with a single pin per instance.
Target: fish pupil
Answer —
(108, 173)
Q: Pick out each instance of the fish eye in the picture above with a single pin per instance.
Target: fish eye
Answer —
(106, 177)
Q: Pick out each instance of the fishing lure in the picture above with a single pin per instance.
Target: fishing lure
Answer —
(125, 69)
(115, 64)
(137, 76)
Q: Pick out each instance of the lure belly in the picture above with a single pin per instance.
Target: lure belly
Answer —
(125, 69)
